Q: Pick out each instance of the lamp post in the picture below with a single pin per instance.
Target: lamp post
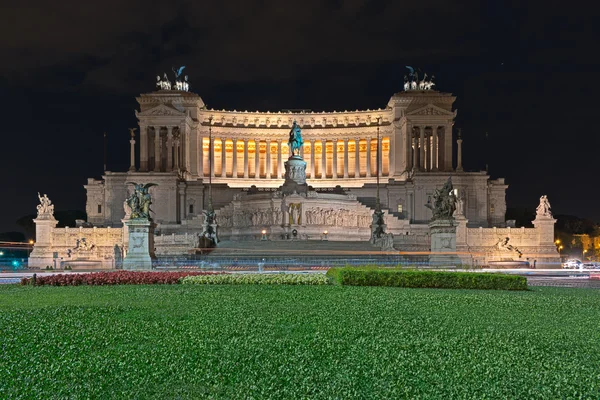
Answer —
(210, 166)
(378, 206)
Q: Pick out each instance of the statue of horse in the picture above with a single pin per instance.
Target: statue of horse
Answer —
(295, 141)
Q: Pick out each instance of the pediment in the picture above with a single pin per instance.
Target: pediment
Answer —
(161, 110)
(431, 109)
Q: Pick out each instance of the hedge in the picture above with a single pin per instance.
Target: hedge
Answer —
(425, 279)
(258, 279)
(112, 278)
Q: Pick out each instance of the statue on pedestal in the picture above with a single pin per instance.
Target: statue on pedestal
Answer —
(139, 202)
(45, 208)
(295, 141)
(444, 202)
(543, 209)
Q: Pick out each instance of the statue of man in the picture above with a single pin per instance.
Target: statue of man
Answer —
(295, 141)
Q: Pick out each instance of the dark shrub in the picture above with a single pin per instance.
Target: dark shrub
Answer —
(425, 279)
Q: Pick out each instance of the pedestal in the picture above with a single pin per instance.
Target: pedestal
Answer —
(547, 254)
(42, 254)
(443, 243)
(141, 245)
(295, 176)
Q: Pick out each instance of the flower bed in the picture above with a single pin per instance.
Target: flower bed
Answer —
(113, 278)
(257, 279)
(425, 279)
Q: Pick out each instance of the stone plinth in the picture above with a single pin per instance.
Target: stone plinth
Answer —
(295, 176)
(547, 255)
(42, 253)
(141, 245)
(443, 243)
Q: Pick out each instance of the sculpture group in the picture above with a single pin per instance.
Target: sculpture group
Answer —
(45, 207)
(139, 201)
(412, 82)
(444, 202)
(543, 209)
(180, 84)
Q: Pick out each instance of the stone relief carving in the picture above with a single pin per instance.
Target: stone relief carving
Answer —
(503, 246)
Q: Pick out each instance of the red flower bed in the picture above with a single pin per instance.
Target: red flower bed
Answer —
(112, 278)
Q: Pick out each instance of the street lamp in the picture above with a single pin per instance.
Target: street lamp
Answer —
(210, 163)
(583, 254)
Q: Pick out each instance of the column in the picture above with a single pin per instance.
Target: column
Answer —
(448, 148)
(223, 159)
(415, 151)
(369, 157)
(279, 160)
(434, 152)
(408, 144)
(428, 151)
(268, 158)
(157, 148)
(234, 159)
(422, 148)
(245, 158)
(459, 166)
(187, 158)
(169, 166)
(132, 153)
(211, 155)
(323, 159)
(256, 159)
(312, 158)
(143, 148)
(176, 167)
(357, 158)
(334, 166)
(345, 157)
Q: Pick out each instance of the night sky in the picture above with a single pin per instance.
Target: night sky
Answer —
(524, 73)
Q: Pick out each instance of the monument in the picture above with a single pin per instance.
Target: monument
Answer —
(141, 229)
(443, 227)
(295, 166)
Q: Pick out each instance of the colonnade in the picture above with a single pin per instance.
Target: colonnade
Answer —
(264, 159)
(428, 149)
(163, 148)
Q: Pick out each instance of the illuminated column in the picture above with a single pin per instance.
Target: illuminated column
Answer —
(169, 166)
(223, 159)
(434, 151)
(234, 159)
(312, 158)
(428, 151)
(323, 158)
(448, 148)
(268, 158)
(143, 148)
(422, 148)
(256, 159)
(345, 157)
(132, 153)
(408, 143)
(369, 157)
(157, 148)
(334, 159)
(211, 154)
(415, 152)
(186, 146)
(279, 160)
(245, 158)
(357, 158)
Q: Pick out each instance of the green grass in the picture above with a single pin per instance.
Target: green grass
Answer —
(189, 341)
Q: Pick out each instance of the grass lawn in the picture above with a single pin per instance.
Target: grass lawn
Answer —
(234, 342)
